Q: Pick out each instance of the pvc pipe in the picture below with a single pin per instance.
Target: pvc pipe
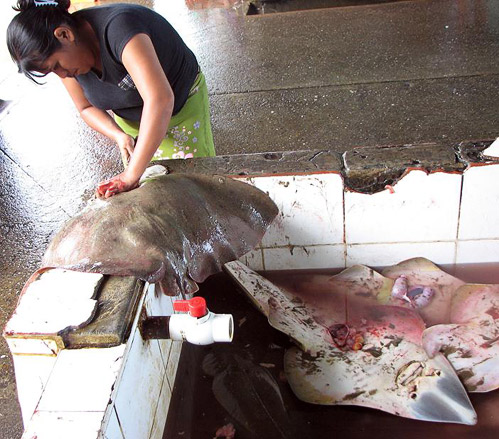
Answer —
(204, 330)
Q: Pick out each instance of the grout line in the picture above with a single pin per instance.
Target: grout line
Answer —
(336, 244)
(349, 84)
(345, 251)
(119, 422)
(155, 410)
(459, 219)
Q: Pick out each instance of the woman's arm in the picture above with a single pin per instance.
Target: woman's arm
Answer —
(140, 59)
(99, 120)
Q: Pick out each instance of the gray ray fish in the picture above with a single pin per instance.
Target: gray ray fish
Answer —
(174, 229)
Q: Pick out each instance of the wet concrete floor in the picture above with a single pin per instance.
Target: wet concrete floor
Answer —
(385, 74)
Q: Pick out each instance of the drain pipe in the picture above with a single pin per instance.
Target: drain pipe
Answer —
(198, 326)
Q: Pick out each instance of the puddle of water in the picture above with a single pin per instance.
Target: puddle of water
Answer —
(196, 410)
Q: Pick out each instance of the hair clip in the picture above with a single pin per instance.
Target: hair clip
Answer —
(46, 3)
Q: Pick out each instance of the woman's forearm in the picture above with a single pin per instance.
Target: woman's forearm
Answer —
(102, 122)
(154, 123)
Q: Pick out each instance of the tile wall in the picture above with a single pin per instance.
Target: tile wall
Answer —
(108, 393)
(445, 217)
(145, 386)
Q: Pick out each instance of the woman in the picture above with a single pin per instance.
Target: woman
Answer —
(125, 58)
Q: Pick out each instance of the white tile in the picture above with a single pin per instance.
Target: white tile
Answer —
(292, 258)
(310, 209)
(477, 251)
(51, 317)
(112, 429)
(63, 425)
(161, 411)
(82, 380)
(172, 365)
(165, 347)
(139, 387)
(421, 208)
(493, 149)
(66, 283)
(55, 300)
(32, 346)
(381, 255)
(157, 303)
(253, 259)
(32, 374)
(479, 205)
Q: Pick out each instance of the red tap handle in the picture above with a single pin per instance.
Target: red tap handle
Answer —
(196, 306)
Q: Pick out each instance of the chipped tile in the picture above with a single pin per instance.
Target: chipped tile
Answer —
(55, 300)
(35, 346)
(421, 208)
(479, 213)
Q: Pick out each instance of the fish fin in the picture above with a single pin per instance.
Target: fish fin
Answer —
(169, 287)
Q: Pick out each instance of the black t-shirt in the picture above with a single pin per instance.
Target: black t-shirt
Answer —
(115, 25)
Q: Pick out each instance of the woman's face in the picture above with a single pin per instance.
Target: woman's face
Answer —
(72, 59)
(67, 63)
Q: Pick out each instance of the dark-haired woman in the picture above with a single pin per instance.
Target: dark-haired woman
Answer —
(125, 58)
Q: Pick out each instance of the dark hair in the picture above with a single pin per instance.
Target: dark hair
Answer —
(30, 35)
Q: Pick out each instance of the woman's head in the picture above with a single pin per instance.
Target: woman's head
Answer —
(37, 32)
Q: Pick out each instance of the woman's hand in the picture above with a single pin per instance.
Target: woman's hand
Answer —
(119, 183)
(126, 144)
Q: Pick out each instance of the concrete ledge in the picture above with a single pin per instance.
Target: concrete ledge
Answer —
(367, 170)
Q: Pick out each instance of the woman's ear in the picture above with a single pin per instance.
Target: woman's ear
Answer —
(64, 34)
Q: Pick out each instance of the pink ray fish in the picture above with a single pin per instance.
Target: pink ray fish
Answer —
(354, 347)
(174, 229)
(471, 341)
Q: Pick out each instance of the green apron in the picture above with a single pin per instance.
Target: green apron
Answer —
(189, 133)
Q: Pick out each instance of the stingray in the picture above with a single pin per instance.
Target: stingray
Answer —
(471, 341)
(174, 229)
(355, 347)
